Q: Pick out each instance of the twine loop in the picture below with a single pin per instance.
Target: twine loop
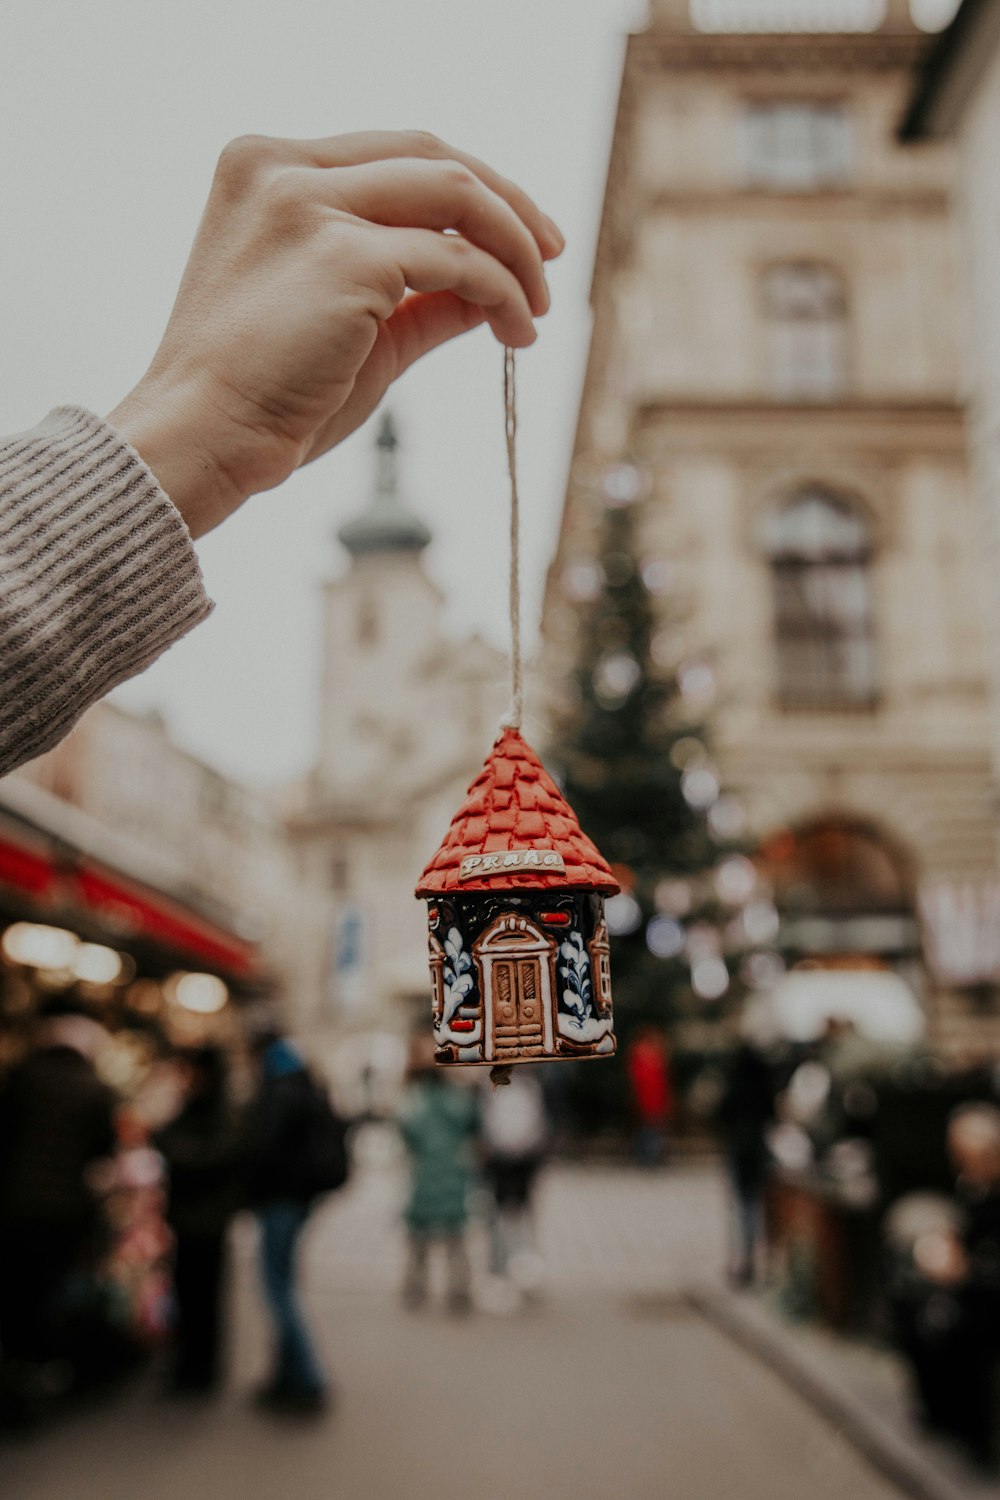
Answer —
(515, 712)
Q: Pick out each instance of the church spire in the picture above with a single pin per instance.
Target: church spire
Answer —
(385, 525)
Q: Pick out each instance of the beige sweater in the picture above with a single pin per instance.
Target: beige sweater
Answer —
(98, 575)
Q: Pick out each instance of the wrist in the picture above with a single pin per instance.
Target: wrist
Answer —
(165, 430)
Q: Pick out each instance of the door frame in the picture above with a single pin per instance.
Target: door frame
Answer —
(514, 935)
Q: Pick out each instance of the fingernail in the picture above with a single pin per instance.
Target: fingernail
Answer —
(556, 236)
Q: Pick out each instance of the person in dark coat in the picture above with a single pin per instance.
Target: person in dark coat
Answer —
(56, 1123)
(205, 1152)
(948, 1317)
(745, 1111)
(282, 1193)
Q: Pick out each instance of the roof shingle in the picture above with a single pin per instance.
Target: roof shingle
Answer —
(514, 804)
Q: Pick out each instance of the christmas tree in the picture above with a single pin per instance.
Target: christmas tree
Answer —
(632, 752)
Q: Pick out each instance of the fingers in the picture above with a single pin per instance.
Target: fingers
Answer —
(432, 262)
(440, 195)
(420, 323)
(382, 145)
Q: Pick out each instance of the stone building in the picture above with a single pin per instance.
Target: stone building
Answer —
(957, 98)
(177, 856)
(774, 378)
(407, 715)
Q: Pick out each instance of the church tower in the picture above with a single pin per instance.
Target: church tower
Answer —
(378, 621)
(407, 712)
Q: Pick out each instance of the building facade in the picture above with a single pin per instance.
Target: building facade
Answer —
(407, 716)
(774, 377)
(957, 99)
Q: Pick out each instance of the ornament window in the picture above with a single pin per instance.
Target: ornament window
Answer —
(806, 334)
(600, 957)
(820, 550)
(435, 954)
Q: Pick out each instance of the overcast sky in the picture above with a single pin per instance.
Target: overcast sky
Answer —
(112, 114)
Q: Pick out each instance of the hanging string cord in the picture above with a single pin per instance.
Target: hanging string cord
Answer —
(510, 416)
(502, 1072)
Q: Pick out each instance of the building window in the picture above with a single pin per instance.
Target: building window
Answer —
(797, 147)
(805, 313)
(820, 554)
(366, 632)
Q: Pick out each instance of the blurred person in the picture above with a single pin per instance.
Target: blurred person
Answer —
(321, 270)
(204, 1148)
(515, 1139)
(648, 1063)
(745, 1112)
(291, 1145)
(439, 1122)
(57, 1123)
(948, 1303)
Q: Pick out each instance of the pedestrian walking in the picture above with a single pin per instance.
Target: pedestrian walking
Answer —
(648, 1065)
(515, 1142)
(293, 1139)
(204, 1148)
(56, 1124)
(745, 1112)
(439, 1123)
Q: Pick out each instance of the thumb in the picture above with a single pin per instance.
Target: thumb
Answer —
(420, 323)
(423, 321)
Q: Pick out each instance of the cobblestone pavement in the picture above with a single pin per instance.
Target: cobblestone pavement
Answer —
(609, 1386)
(607, 1228)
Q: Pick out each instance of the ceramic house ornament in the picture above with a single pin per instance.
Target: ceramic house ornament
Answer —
(518, 942)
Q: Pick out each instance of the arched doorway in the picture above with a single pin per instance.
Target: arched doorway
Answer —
(844, 889)
(515, 964)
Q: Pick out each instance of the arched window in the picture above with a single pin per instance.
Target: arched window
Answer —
(820, 550)
(805, 311)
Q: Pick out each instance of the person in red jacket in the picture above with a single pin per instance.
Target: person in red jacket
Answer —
(652, 1093)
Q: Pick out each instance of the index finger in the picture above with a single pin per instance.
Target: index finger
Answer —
(379, 145)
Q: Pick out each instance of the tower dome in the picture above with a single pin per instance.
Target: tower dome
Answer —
(385, 525)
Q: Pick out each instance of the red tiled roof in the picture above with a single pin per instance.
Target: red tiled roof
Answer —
(514, 804)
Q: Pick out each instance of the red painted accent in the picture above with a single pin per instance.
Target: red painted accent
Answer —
(554, 918)
(462, 1025)
(25, 870)
(514, 804)
(137, 912)
(58, 884)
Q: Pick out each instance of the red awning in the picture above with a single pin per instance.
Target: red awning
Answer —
(135, 912)
(26, 869)
(59, 883)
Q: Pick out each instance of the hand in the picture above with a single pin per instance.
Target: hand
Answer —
(321, 270)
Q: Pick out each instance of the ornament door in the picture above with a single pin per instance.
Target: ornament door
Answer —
(517, 1008)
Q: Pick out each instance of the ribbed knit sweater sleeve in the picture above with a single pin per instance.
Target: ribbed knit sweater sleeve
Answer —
(98, 575)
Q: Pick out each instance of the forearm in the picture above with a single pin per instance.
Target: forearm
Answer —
(98, 576)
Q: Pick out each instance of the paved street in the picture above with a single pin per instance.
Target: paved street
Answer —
(610, 1386)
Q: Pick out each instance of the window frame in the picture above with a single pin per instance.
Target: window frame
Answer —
(775, 171)
(806, 356)
(795, 572)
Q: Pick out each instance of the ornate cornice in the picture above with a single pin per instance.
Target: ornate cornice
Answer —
(776, 54)
(898, 427)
